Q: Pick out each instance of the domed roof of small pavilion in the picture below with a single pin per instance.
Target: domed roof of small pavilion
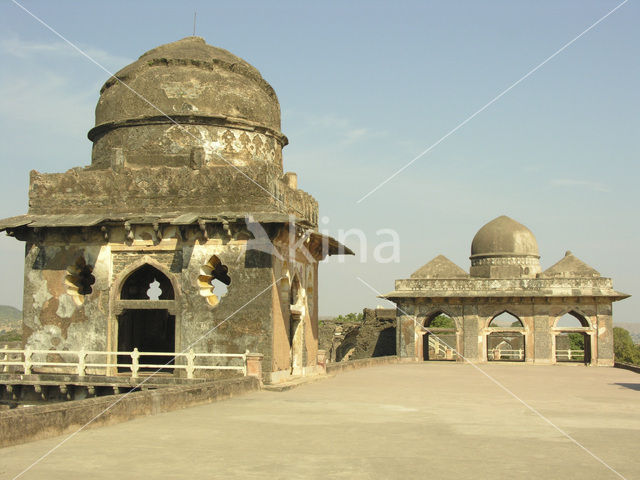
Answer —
(504, 236)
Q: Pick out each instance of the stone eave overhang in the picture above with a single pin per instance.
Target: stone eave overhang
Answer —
(90, 220)
(29, 221)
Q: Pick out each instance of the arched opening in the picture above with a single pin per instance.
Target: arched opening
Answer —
(296, 325)
(572, 320)
(506, 340)
(147, 326)
(147, 282)
(214, 280)
(505, 320)
(79, 280)
(573, 343)
(439, 342)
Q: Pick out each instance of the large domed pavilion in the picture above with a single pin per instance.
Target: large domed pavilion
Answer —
(185, 194)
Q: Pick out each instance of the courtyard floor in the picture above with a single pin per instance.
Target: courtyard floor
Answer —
(403, 421)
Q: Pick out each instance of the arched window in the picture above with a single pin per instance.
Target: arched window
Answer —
(213, 280)
(439, 342)
(505, 320)
(505, 343)
(571, 320)
(573, 344)
(440, 320)
(147, 283)
(79, 280)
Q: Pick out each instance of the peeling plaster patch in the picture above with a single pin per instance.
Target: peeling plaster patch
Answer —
(191, 90)
(211, 148)
(66, 306)
(43, 339)
(602, 330)
(102, 264)
(41, 292)
(86, 335)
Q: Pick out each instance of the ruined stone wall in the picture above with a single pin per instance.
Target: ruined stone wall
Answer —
(375, 336)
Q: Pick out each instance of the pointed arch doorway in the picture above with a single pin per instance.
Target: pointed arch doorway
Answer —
(505, 339)
(146, 318)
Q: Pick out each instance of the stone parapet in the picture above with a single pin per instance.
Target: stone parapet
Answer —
(34, 423)
(510, 287)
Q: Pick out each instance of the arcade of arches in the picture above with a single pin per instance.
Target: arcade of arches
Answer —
(506, 309)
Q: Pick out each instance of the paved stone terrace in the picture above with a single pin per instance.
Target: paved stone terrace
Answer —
(428, 420)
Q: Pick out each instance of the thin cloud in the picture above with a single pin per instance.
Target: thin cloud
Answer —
(575, 183)
(355, 134)
(25, 49)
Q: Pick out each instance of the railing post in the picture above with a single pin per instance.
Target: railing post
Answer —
(27, 361)
(569, 354)
(134, 362)
(253, 364)
(5, 358)
(321, 361)
(497, 354)
(81, 362)
(190, 363)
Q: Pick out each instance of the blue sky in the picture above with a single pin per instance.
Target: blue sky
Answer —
(364, 87)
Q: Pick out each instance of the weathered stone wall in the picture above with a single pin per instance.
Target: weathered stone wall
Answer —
(375, 336)
(208, 191)
(54, 317)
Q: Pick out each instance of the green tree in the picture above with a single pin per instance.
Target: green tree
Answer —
(350, 317)
(442, 321)
(576, 341)
(624, 349)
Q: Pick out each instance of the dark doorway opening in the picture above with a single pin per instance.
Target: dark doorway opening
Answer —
(148, 330)
(147, 283)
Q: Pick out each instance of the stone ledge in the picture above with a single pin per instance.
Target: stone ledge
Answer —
(35, 423)
(627, 366)
(339, 367)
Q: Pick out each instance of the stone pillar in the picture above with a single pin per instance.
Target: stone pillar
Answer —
(604, 354)
(471, 332)
(406, 332)
(543, 344)
(254, 365)
(322, 362)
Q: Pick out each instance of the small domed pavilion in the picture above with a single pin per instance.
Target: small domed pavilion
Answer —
(184, 233)
(507, 308)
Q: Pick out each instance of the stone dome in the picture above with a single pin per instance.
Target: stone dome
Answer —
(504, 248)
(196, 85)
(504, 236)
